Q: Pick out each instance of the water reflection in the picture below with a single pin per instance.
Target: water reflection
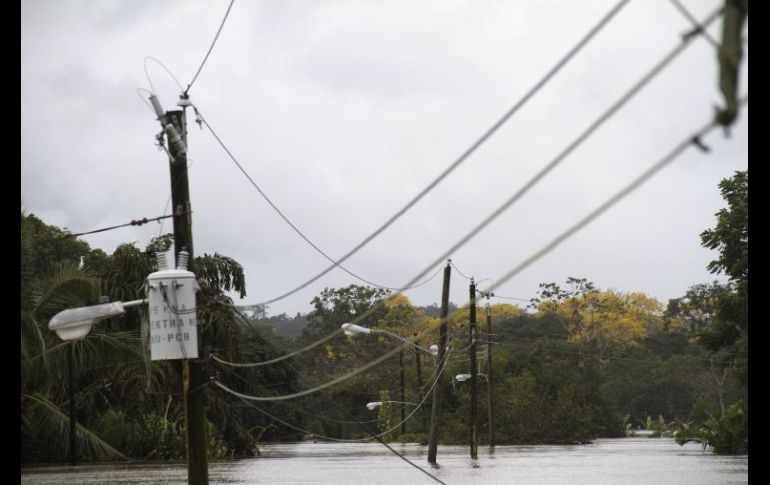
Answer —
(645, 461)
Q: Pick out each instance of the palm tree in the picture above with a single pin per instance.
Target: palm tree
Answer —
(48, 287)
(44, 425)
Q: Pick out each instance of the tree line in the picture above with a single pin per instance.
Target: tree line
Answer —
(578, 363)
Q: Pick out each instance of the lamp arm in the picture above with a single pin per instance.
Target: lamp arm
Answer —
(377, 330)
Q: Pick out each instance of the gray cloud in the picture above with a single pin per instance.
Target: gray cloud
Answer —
(343, 111)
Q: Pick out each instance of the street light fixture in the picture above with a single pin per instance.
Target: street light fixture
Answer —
(351, 330)
(76, 323)
(465, 377)
(373, 405)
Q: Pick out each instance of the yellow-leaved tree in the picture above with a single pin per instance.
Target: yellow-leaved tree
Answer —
(601, 318)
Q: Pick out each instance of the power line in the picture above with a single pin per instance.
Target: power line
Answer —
(277, 359)
(146, 73)
(529, 261)
(550, 166)
(210, 48)
(611, 201)
(698, 27)
(572, 146)
(555, 69)
(294, 408)
(137, 222)
(458, 270)
(509, 297)
(559, 158)
(337, 405)
(138, 93)
(381, 434)
(298, 231)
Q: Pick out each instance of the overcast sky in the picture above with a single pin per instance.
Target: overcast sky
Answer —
(343, 111)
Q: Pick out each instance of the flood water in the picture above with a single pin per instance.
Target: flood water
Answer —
(646, 461)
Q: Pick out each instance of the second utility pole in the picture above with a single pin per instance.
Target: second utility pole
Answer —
(193, 378)
(442, 338)
(474, 371)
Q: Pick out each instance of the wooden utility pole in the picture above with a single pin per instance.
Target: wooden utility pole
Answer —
(442, 340)
(474, 377)
(490, 386)
(73, 454)
(418, 364)
(403, 398)
(193, 378)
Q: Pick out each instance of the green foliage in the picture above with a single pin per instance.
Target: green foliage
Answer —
(111, 363)
(628, 426)
(45, 246)
(45, 432)
(385, 416)
(337, 306)
(153, 437)
(731, 234)
(725, 433)
(659, 427)
(221, 272)
(411, 437)
(584, 363)
(725, 334)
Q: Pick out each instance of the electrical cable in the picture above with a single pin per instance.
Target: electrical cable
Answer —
(144, 100)
(346, 440)
(297, 230)
(294, 408)
(575, 143)
(138, 222)
(337, 405)
(459, 272)
(222, 24)
(636, 183)
(509, 297)
(277, 359)
(499, 123)
(700, 29)
(152, 87)
(544, 171)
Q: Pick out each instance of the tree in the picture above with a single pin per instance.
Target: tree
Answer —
(729, 330)
(111, 363)
(726, 334)
(602, 319)
(51, 287)
(730, 236)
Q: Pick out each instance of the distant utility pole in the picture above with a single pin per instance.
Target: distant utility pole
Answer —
(175, 124)
(403, 398)
(474, 371)
(442, 339)
(490, 387)
(418, 364)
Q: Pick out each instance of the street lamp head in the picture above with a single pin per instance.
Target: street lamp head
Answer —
(75, 323)
(433, 349)
(462, 377)
(372, 405)
(351, 329)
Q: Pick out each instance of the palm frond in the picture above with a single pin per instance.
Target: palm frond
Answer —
(48, 425)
